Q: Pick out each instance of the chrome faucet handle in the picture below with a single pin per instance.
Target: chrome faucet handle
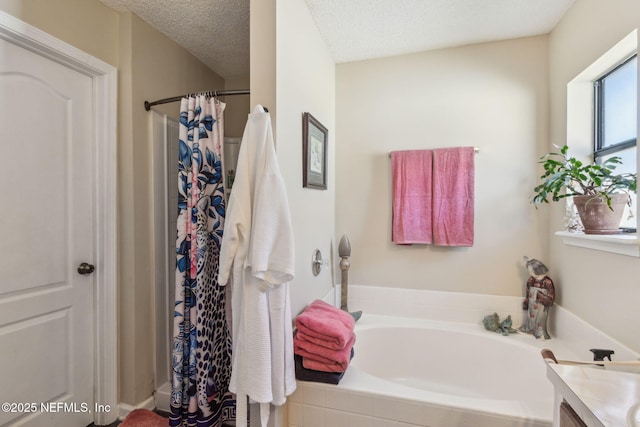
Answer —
(316, 262)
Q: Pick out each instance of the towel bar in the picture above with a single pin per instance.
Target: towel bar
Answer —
(476, 149)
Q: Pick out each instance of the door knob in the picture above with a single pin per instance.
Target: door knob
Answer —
(86, 268)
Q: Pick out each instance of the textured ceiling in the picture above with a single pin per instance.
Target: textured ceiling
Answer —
(217, 31)
(364, 29)
(214, 31)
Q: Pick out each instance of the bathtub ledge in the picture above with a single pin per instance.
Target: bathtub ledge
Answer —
(600, 397)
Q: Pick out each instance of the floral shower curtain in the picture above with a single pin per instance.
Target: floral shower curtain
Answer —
(202, 342)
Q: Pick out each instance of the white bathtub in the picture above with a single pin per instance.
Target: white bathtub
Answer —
(423, 358)
(463, 374)
(423, 371)
(437, 374)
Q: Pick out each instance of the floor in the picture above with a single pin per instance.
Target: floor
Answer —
(164, 414)
(110, 425)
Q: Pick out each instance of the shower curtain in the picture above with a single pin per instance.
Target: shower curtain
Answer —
(202, 342)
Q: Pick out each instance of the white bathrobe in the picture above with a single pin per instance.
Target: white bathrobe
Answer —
(257, 256)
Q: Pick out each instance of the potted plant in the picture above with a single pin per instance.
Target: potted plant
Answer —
(598, 193)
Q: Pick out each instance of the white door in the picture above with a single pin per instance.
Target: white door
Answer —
(46, 232)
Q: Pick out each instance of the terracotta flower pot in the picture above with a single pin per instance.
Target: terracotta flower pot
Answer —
(596, 216)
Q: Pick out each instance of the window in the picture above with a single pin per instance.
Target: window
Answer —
(581, 135)
(615, 121)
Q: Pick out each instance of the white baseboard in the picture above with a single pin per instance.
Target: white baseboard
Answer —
(124, 408)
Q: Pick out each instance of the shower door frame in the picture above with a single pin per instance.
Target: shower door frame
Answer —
(164, 242)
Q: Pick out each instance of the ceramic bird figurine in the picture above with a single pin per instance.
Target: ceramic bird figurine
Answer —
(540, 295)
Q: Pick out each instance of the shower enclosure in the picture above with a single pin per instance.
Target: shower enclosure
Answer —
(164, 134)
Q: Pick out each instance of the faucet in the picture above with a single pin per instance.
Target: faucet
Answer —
(344, 251)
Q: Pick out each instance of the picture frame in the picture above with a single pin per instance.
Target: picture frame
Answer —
(314, 153)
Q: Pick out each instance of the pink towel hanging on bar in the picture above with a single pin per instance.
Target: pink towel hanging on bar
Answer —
(411, 191)
(453, 196)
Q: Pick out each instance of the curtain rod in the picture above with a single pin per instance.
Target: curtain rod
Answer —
(475, 149)
(148, 105)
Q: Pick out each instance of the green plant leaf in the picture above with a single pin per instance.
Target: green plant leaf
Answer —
(566, 176)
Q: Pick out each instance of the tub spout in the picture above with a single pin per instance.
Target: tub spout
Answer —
(344, 251)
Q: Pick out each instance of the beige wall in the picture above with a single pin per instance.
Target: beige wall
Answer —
(493, 96)
(124, 40)
(238, 106)
(305, 82)
(291, 73)
(598, 286)
(88, 25)
(262, 56)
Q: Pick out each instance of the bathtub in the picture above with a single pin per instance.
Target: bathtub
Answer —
(462, 374)
(431, 373)
(423, 358)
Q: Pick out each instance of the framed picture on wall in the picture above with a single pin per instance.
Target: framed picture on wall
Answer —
(314, 153)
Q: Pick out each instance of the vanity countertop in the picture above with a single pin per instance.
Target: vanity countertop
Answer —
(601, 397)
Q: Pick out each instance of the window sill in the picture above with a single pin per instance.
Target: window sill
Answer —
(624, 244)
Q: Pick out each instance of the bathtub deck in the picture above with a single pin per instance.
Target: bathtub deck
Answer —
(364, 399)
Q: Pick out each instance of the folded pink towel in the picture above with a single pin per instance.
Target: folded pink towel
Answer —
(411, 172)
(453, 196)
(320, 351)
(322, 321)
(330, 344)
(316, 365)
(321, 358)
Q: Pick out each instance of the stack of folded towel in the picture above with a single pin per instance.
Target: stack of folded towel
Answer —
(323, 343)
